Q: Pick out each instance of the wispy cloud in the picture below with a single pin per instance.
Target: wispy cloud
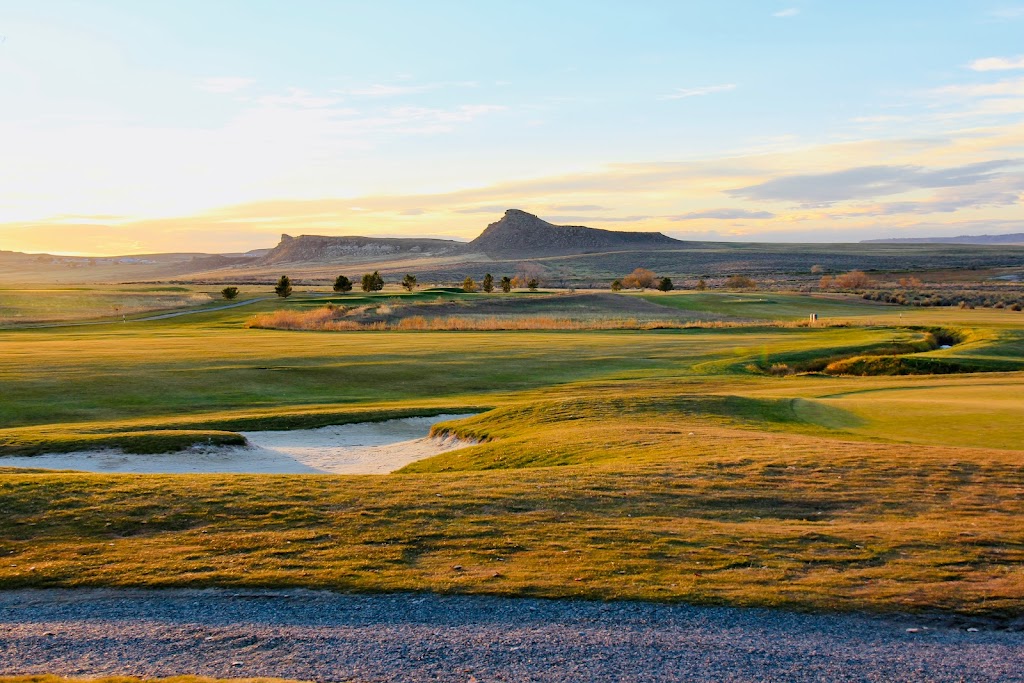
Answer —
(788, 12)
(1013, 12)
(225, 84)
(395, 90)
(825, 189)
(577, 207)
(297, 97)
(681, 93)
(1010, 87)
(723, 214)
(997, 63)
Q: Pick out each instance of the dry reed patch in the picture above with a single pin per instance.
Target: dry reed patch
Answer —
(331, 319)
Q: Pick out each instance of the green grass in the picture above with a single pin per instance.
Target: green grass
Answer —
(29, 306)
(647, 465)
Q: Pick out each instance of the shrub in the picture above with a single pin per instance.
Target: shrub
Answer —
(533, 284)
(640, 278)
(342, 284)
(616, 285)
(488, 284)
(701, 285)
(283, 288)
(665, 285)
(409, 282)
(372, 282)
(855, 279)
(1015, 307)
(740, 282)
(229, 293)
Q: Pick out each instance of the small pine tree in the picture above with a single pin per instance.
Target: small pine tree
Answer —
(533, 284)
(488, 284)
(342, 284)
(409, 282)
(616, 285)
(701, 285)
(665, 285)
(372, 282)
(283, 288)
(506, 284)
(229, 293)
(468, 285)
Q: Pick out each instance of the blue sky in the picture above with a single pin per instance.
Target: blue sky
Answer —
(215, 126)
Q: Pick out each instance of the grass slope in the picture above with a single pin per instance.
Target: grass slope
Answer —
(650, 465)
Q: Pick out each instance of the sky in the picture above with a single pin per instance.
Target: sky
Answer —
(216, 125)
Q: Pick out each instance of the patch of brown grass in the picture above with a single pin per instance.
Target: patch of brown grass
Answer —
(330, 319)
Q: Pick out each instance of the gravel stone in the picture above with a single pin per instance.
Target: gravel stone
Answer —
(325, 636)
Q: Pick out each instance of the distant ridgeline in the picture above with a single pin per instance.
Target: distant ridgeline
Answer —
(1016, 238)
(517, 235)
(321, 249)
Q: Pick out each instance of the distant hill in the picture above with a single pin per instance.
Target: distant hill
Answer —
(522, 235)
(1013, 238)
(323, 249)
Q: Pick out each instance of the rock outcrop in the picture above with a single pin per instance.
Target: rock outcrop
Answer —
(323, 249)
(521, 235)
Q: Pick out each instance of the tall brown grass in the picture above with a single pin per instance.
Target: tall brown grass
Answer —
(329, 320)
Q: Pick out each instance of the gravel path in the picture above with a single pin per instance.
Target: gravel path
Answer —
(407, 637)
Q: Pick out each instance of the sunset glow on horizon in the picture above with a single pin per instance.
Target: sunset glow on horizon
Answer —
(215, 127)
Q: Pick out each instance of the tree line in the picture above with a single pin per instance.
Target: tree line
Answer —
(640, 278)
(374, 282)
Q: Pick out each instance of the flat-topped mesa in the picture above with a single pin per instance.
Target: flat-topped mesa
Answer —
(520, 234)
(327, 249)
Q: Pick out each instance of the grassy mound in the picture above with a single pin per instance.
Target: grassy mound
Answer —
(30, 441)
(913, 365)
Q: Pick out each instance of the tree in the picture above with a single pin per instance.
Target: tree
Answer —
(342, 284)
(283, 288)
(409, 282)
(855, 279)
(826, 282)
(229, 293)
(533, 284)
(616, 285)
(527, 271)
(506, 284)
(488, 284)
(739, 282)
(468, 285)
(372, 282)
(665, 285)
(701, 285)
(641, 278)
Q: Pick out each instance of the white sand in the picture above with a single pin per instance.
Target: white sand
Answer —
(362, 448)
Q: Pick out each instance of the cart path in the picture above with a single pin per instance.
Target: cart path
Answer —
(408, 637)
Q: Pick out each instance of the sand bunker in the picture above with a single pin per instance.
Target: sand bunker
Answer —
(362, 448)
